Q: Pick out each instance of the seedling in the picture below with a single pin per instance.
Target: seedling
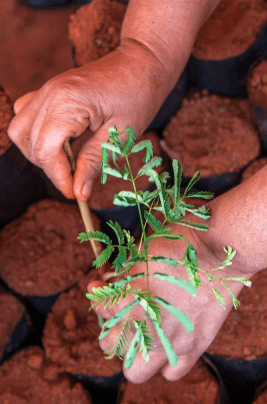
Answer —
(167, 200)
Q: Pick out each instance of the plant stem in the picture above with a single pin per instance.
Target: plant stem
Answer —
(142, 223)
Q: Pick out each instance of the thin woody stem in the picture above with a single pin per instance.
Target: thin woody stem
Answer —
(84, 210)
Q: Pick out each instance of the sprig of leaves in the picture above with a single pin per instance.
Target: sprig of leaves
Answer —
(171, 203)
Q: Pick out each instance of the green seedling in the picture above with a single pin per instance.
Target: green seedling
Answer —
(166, 199)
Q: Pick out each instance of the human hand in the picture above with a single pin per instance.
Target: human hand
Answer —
(204, 311)
(122, 88)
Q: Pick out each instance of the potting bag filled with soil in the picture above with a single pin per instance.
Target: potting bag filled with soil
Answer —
(18, 184)
(15, 324)
(253, 168)
(71, 337)
(40, 255)
(232, 38)
(199, 386)
(214, 135)
(29, 378)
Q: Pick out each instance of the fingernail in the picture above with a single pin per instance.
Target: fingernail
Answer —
(86, 189)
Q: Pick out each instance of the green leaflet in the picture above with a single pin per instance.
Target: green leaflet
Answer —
(111, 147)
(154, 162)
(120, 259)
(131, 139)
(166, 343)
(94, 235)
(180, 315)
(132, 350)
(111, 171)
(176, 281)
(144, 144)
(165, 260)
(219, 297)
(118, 231)
(154, 223)
(118, 316)
(201, 194)
(245, 281)
(128, 278)
(195, 178)
(104, 256)
(177, 171)
(197, 226)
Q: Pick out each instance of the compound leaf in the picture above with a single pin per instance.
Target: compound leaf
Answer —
(192, 182)
(103, 257)
(180, 315)
(118, 231)
(154, 162)
(177, 171)
(176, 281)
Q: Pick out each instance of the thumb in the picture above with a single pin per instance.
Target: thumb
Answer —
(88, 164)
(22, 101)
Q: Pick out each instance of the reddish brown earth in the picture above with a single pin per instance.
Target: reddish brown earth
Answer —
(253, 168)
(94, 30)
(29, 378)
(71, 334)
(212, 134)
(197, 387)
(257, 85)
(34, 46)
(232, 28)
(102, 195)
(6, 114)
(39, 252)
(243, 334)
(11, 312)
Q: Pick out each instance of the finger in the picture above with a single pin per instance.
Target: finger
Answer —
(141, 370)
(20, 127)
(22, 101)
(185, 364)
(48, 134)
(99, 310)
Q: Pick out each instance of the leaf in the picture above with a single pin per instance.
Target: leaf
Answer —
(130, 140)
(111, 171)
(111, 147)
(182, 283)
(197, 226)
(245, 281)
(94, 235)
(124, 200)
(103, 257)
(92, 297)
(132, 350)
(180, 315)
(144, 144)
(154, 162)
(120, 259)
(170, 236)
(118, 316)
(128, 278)
(195, 178)
(154, 223)
(177, 171)
(125, 173)
(219, 297)
(168, 261)
(118, 231)
(105, 157)
(201, 194)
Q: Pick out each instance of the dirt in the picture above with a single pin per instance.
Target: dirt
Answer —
(6, 114)
(39, 252)
(29, 378)
(243, 334)
(254, 168)
(11, 312)
(212, 134)
(34, 46)
(257, 85)
(197, 387)
(102, 195)
(94, 30)
(71, 334)
(231, 29)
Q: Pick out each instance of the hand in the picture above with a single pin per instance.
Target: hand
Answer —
(203, 309)
(119, 89)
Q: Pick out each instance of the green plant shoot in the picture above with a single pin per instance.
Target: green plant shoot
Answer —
(170, 202)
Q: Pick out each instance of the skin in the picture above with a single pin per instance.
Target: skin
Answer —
(127, 87)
